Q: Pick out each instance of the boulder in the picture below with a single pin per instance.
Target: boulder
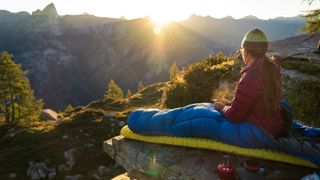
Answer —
(154, 161)
(121, 123)
(69, 156)
(52, 172)
(37, 170)
(102, 170)
(109, 115)
(48, 114)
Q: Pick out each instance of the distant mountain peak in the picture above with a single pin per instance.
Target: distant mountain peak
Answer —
(49, 10)
(250, 17)
(227, 17)
(298, 17)
(195, 17)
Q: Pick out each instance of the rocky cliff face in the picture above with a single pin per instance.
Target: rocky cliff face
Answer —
(152, 161)
(72, 58)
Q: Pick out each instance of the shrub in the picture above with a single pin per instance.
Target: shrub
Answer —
(305, 99)
(199, 80)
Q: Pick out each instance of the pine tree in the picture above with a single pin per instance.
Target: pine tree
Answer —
(140, 86)
(113, 91)
(69, 108)
(313, 19)
(16, 97)
(129, 93)
(174, 70)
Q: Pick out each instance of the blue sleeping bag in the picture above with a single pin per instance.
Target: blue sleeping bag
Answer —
(197, 120)
(204, 121)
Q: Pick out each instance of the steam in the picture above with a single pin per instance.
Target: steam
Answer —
(225, 92)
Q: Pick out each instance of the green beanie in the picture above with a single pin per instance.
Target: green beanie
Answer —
(255, 40)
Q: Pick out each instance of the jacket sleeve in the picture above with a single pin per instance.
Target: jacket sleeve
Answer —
(249, 88)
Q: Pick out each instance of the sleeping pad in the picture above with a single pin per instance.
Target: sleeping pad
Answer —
(202, 120)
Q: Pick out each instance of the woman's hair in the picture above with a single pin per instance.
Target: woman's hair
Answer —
(270, 73)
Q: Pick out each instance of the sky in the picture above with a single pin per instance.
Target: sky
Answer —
(164, 10)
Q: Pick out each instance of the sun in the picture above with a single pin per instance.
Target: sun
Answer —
(159, 20)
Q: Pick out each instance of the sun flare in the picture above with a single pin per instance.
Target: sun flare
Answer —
(159, 21)
(156, 30)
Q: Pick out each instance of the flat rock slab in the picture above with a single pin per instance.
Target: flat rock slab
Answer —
(155, 161)
(303, 47)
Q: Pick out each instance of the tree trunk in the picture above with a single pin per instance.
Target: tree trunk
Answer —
(19, 110)
(6, 112)
(12, 105)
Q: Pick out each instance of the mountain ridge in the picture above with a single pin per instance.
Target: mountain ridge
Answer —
(51, 10)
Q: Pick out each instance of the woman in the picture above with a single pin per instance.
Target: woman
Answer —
(258, 93)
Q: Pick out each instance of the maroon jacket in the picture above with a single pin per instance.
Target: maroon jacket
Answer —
(249, 104)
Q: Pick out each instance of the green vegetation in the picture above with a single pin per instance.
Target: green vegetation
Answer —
(313, 19)
(129, 93)
(303, 67)
(69, 108)
(199, 81)
(305, 99)
(17, 103)
(113, 91)
(303, 94)
(148, 97)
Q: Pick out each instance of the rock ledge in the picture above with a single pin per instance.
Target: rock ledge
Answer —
(146, 161)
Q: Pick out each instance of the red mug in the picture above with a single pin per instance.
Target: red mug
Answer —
(225, 170)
